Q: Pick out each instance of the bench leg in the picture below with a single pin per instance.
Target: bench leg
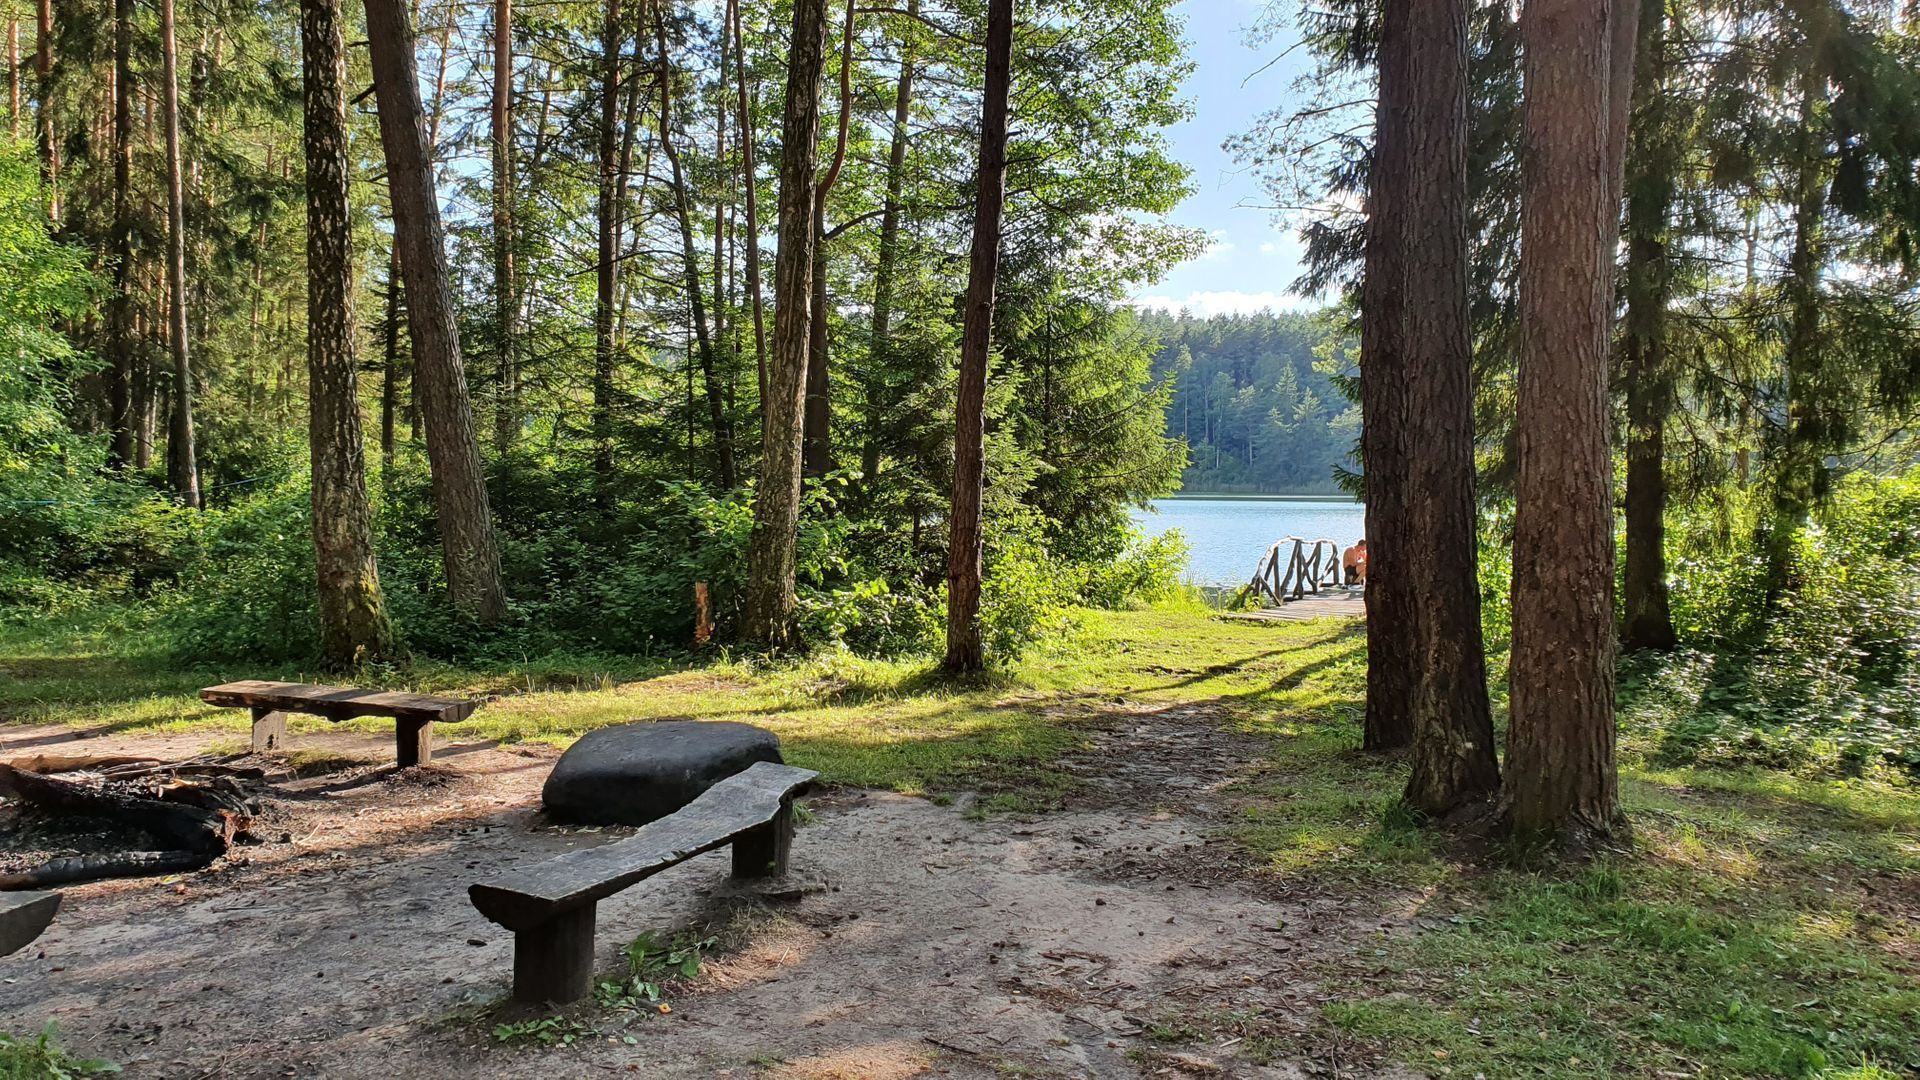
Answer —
(269, 730)
(554, 961)
(412, 742)
(763, 853)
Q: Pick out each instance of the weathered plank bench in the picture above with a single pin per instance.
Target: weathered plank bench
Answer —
(550, 906)
(24, 916)
(413, 714)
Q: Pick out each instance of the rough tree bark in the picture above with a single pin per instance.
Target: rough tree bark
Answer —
(776, 505)
(690, 273)
(353, 616)
(506, 304)
(1646, 612)
(966, 552)
(183, 465)
(1385, 454)
(1561, 777)
(1419, 369)
(468, 545)
(887, 259)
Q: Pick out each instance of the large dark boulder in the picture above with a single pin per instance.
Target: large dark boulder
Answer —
(636, 773)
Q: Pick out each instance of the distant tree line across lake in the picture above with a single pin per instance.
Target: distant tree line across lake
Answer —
(1259, 400)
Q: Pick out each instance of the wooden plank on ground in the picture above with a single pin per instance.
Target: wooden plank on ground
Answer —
(336, 703)
(740, 804)
(1339, 604)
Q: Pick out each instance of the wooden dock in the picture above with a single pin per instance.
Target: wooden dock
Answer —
(1335, 603)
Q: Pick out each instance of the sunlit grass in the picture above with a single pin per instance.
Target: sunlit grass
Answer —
(1755, 929)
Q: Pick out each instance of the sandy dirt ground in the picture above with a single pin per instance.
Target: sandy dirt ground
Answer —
(1115, 938)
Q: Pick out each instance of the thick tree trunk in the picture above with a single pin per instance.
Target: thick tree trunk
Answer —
(607, 266)
(690, 263)
(750, 181)
(966, 553)
(1386, 453)
(120, 402)
(183, 465)
(1646, 616)
(776, 505)
(506, 303)
(353, 617)
(1428, 563)
(886, 261)
(1561, 778)
(472, 555)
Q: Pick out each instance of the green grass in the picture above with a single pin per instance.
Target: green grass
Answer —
(40, 1057)
(1763, 926)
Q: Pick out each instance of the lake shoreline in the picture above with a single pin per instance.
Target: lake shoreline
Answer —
(1210, 496)
(1227, 535)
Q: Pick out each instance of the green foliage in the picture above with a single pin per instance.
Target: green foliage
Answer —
(41, 1058)
(1258, 401)
(651, 963)
(545, 1030)
(1826, 676)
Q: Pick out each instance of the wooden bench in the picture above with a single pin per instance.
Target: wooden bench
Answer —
(413, 714)
(24, 916)
(549, 906)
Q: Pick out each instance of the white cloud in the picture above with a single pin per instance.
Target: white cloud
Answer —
(1217, 244)
(1206, 304)
(1268, 247)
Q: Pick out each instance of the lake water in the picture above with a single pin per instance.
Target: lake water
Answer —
(1228, 536)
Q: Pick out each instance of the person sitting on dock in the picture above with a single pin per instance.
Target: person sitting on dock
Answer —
(1354, 562)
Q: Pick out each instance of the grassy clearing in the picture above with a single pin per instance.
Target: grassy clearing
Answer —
(1764, 926)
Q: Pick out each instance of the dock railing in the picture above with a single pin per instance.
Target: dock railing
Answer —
(1293, 568)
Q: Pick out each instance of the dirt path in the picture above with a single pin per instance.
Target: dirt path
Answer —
(1109, 940)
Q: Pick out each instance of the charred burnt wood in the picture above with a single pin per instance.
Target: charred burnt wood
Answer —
(177, 825)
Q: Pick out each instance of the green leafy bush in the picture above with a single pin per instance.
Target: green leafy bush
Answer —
(1827, 677)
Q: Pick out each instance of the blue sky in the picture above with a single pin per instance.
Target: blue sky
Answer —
(1252, 258)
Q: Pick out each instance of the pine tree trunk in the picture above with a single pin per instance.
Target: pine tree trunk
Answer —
(776, 507)
(1386, 453)
(1646, 617)
(1432, 564)
(183, 466)
(506, 415)
(750, 182)
(816, 456)
(886, 260)
(471, 553)
(353, 617)
(607, 267)
(120, 402)
(1561, 778)
(690, 263)
(966, 553)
